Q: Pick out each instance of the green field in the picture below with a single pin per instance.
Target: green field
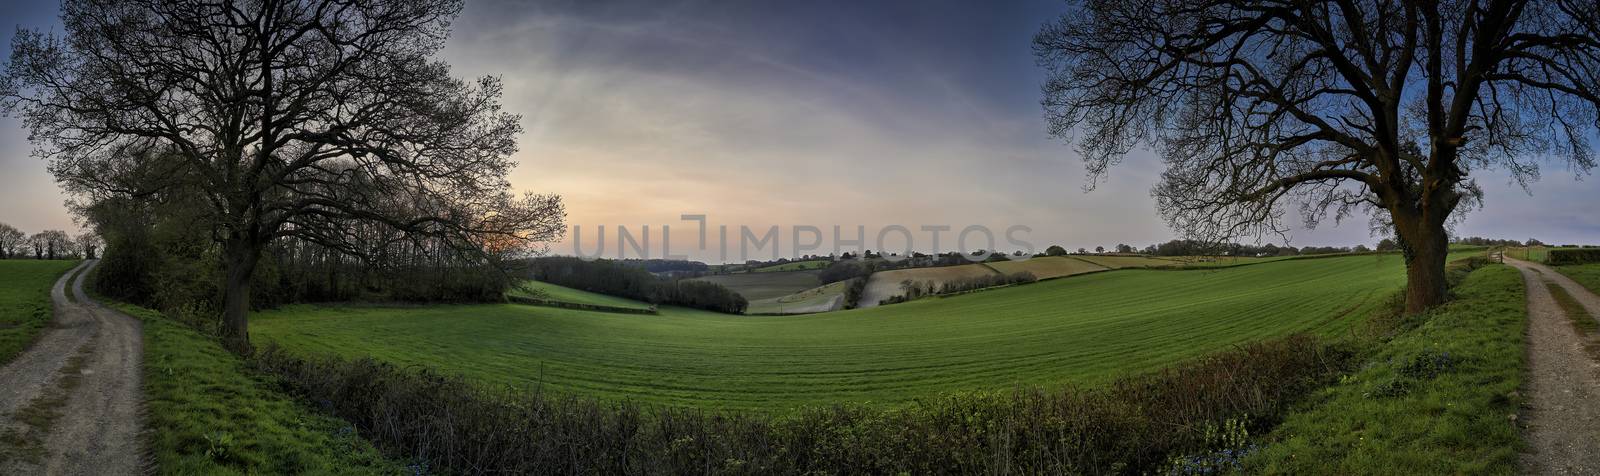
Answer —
(1047, 267)
(1537, 254)
(547, 291)
(829, 297)
(1586, 274)
(1086, 330)
(1118, 262)
(758, 286)
(25, 301)
(883, 285)
(795, 266)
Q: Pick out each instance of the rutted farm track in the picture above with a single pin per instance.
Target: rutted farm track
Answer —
(70, 404)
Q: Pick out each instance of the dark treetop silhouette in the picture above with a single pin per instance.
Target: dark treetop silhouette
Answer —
(290, 118)
(1341, 106)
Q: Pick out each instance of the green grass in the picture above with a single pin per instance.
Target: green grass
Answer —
(810, 300)
(25, 301)
(1086, 330)
(211, 414)
(1537, 254)
(539, 290)
(794, 266)
(758, 286)
(1586, 274)
(1437, 399)
(1046, 267)
(1223, 261)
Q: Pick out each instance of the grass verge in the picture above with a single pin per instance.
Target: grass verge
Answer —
(1586, 274)
(1439, 397)
(25, 307)
(1583, 323)
(209, 413)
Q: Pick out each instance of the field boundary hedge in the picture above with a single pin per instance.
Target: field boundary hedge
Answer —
(1561, 256)
(1139, 424)
(581, 306)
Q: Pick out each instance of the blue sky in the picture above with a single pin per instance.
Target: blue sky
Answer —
(807, 113)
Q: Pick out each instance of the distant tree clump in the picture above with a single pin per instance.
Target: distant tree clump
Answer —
(1055, 250)
(11, 241)
(853, 291)
(56, 244)
(633, 282)
(843, 270)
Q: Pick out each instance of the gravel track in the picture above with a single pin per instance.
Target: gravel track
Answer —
(95, 427)
(1563, 384)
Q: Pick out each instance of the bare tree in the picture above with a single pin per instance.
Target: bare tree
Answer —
(11, 240)
(88, 242)
(56, 244)
(37, 241)
(290, 118)
(1385, 107)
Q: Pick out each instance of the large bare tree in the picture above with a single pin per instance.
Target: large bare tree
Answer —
(1387, 107)
(11, 240)
(289, 118)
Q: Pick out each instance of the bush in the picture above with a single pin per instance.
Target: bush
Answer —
(843, 270)
(853, 292)
(1136, 425)
(1573, 256)
(979, 282)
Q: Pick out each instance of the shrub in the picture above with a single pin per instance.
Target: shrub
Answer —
(1136, 425)
(970, 283)
(853, 291)
(843, 270)
(1573, 256)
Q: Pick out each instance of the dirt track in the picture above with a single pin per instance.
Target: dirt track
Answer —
(71, 403)
(1563, 383)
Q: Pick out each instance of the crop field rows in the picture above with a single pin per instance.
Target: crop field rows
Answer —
(1081, 330)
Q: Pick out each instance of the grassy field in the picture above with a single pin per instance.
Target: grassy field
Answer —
(1085, 329)
(1537, 254)
(759, 286)
(1118, 262)
(829, 297)
(1216, 261)
(25, 301)
(1047, 267)
(1586, 274)
(538, 290)
(886, 284)
(1434, 400)
(209, 413)
(795, 266)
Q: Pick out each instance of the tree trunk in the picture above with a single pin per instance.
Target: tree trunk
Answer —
(1427, 246)
(241, 257)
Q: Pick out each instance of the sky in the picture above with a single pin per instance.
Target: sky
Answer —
(806, 114)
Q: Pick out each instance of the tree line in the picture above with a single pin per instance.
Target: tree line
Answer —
(47, 244)
(624, 279)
